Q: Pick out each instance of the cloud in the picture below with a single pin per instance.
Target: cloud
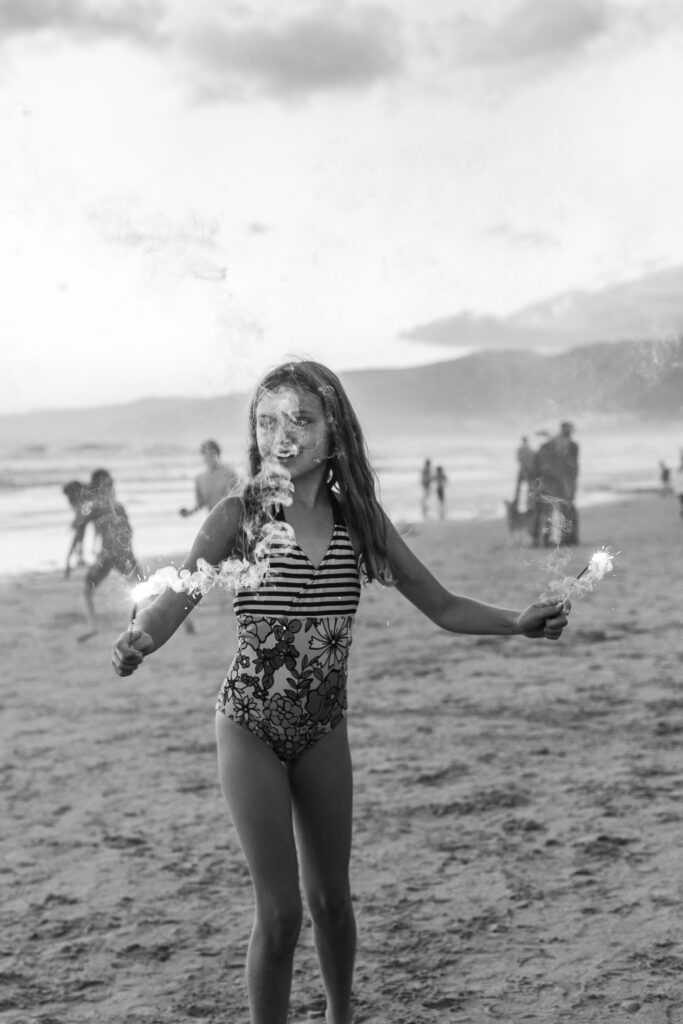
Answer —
(519, 237)
(534, 30)
(182, 248)
(231, 51)
(650, 307)
(534, 35)
(657, 18)
(138, 20)
(347, 49)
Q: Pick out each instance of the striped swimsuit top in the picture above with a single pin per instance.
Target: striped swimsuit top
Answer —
(294, 587)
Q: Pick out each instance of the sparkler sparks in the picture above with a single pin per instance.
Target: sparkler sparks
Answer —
(600, 564)
(232, 574)
(570, 587)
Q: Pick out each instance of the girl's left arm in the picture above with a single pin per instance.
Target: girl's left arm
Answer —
(459, 614)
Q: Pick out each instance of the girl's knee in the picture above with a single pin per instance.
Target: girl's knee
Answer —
(330, 908)
(279, 925)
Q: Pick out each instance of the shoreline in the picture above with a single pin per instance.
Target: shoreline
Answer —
(603, 499)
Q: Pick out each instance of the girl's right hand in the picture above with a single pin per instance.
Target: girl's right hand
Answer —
(129, 650)
(546, 618)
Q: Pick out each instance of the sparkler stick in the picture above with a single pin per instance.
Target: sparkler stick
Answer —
(131, 624)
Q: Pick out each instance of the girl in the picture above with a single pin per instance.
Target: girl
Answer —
(283, 752)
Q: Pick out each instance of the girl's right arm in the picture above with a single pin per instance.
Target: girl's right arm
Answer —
(459, 614)
(156, 623)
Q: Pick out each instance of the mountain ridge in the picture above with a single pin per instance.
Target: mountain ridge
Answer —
(641, 380)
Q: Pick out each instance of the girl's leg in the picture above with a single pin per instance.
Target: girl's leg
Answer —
(322, 790)
(88, 591)
(256, 788)
(94, 576)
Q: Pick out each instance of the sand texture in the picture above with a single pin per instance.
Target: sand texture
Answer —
(518, 850)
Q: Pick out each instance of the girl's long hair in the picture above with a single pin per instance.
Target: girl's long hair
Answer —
(350, 475)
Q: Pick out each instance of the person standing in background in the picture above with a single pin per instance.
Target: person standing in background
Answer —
(440, 480)
(426, 480)
(678, 484)
(214, 482)
(555, 488)
(526, 471)
(569, 451)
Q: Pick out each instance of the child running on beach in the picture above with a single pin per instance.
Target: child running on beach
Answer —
(115, 534)
(76, 494)
(283, 750)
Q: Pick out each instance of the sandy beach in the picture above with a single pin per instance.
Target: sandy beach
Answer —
(518, 849)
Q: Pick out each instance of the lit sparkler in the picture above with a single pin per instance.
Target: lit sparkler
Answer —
(233, 574)
(600, 564)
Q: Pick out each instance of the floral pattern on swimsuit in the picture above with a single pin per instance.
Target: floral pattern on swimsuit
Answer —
(287, 681)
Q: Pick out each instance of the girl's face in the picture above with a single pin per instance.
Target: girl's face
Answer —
(292, 430)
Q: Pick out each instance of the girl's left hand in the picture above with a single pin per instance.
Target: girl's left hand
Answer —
(544, 619)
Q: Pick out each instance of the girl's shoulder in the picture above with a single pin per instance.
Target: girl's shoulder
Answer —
(218, 532)
(229, 510)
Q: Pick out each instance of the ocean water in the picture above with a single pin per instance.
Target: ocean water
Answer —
(153, 482)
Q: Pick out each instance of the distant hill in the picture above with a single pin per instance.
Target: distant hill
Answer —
(642, 380)
(169, 422)
(620, 379)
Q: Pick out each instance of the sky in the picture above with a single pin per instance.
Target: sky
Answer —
(191, 193)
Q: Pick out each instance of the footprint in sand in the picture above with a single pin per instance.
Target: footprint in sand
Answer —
(62, 619)
(86, 636)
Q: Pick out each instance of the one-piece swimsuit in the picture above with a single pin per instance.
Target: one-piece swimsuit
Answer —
(287, 680)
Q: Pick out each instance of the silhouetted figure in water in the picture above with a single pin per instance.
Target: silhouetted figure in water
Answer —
(665, 478)
(115, 533)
